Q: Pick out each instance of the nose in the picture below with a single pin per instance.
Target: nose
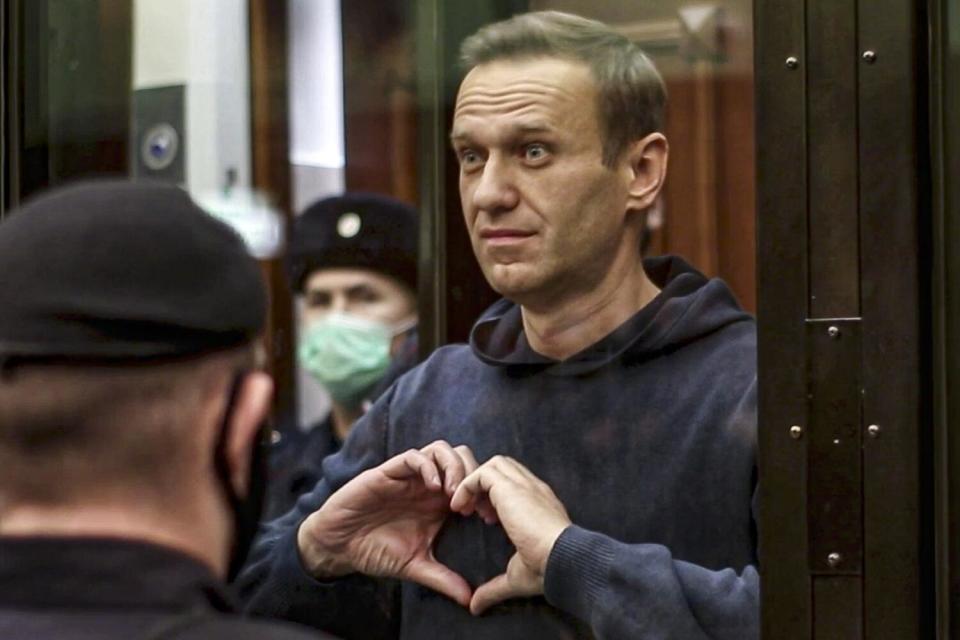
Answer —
(495, 190)
(339, 303)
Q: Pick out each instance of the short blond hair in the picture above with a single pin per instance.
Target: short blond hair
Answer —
(631, 97)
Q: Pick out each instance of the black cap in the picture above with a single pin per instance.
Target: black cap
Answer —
(355, 230)
(116, 269)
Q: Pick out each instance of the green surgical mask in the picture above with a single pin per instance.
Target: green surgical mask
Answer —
(347, 354)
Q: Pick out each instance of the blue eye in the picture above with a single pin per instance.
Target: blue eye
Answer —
(469, 157)
(535, 151)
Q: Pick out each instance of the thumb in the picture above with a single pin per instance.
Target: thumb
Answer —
(440, 578)
(490, 593)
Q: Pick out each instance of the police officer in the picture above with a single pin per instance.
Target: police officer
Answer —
(353, 260)
(130, 417)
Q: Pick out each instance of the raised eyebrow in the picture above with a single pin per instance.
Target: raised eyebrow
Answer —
(534, 127)
(457, 137)
(519, 129)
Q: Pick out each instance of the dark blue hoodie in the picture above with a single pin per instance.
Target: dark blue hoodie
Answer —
(648, 438)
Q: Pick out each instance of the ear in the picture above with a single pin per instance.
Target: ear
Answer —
(647, 167)
(251, 409)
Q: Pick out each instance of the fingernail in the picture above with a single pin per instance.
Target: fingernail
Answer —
(435, 481)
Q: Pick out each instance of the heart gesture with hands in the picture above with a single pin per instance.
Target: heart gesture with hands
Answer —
(384, 521)
(532, 517)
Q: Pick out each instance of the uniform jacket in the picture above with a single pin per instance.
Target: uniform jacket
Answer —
(92, 589)
(295, 465)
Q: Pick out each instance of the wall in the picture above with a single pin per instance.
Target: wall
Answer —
(203, 46)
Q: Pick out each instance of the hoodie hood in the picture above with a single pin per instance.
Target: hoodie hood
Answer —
(688, 307)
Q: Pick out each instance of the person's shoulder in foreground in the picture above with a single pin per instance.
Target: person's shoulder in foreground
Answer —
(131, 405)
(64, 588)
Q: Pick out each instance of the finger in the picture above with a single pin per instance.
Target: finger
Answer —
(521, 477)
(465, 497)
(486, 511)
(470, 463)
(490, 593)
(524, 472)
(482, 507)
(410, 464)
(480, 504)
(481, 482)
(511, 468)
(450, 463)
(440, 578)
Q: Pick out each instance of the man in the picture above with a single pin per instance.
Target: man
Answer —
(353, 260)
(130, 417)
(611, 402)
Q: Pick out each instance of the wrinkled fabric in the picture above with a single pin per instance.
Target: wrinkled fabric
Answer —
(94, 588)
(648, 437)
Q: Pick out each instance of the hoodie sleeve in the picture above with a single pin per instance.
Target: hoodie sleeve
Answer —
(275, 583)
(641, 591)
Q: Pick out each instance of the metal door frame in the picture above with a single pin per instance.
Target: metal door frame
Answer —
(844, 326)
(10, 32)
(945, 208)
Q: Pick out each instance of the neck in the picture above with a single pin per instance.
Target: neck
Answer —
(343, 419)
(132, 522)
(568, 326)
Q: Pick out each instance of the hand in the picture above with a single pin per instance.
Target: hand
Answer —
(532, 516)
(384, 521)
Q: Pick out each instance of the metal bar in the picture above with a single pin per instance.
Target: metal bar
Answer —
(833, 453)
(33, 102)
(12, 101)
(832, 159)
(432, 152)
(782, 305)
(4, 70)
(270, 168)
(943, 100)
(838, 601)
(894, 300)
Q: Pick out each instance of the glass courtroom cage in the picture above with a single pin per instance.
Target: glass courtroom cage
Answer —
(812, 148)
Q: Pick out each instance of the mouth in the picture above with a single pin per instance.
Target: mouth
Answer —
(505, 236)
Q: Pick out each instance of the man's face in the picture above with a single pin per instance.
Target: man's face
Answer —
(545, 216)
(360, 292)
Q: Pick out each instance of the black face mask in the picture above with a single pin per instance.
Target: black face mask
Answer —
(246, 510)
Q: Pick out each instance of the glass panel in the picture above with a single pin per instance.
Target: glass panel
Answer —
(586, 426)
(70, 107)
(705, 53)
(353, 139)
(636, 409)
(191, 110)
(204, 94)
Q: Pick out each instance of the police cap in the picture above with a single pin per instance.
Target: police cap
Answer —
(116, 269)
(355, 230)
